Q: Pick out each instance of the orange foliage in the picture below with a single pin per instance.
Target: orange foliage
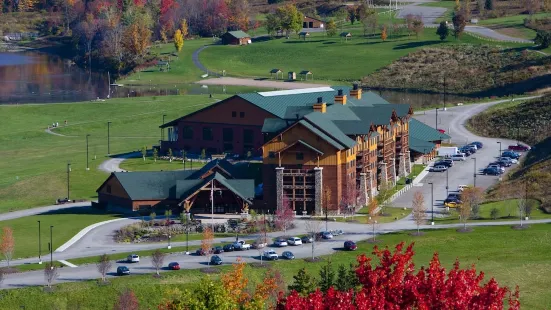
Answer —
(206, 242)
(383, 34)
(235, 282)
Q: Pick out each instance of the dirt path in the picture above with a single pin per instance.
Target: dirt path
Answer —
(258, 83)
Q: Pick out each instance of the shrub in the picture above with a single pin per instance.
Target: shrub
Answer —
(494, 213)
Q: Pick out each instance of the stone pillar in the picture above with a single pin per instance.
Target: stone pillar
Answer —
(384, 174)
(318, 190)
(402, 168)
(279, 187)
(408, 162)
(372, 184)
(364, 186)
(393, 170)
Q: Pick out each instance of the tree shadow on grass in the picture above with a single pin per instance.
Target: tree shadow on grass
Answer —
(79, 210)
(369, 43)
(262, 39)
(301, 41)
(410, 45)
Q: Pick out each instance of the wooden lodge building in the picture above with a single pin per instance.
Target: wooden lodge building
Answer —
(311, 22)
(312, 141)
(236, 38)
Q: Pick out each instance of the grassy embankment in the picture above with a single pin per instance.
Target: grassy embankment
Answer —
(513, 257)
(138, 164)
(34, 163)
(530, 122)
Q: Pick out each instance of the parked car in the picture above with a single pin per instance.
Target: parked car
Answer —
(307, 239)
(174, 266)
(133, 258)
(288, 255)
(510, 154)
(326, 235)
(294, 241)
(228, 248)
(461, 188)
(444, 163)
(508, 159)
(465, 151)
(479, 145)
(504, 163)
(519, 147)
(438, 169)
(350, 245)
(453, 204)
(449, 161)
(280, 242)
(270, 254)
(200, 252)
(454, 196)
(218, 250)
(459, 157)
(337, 232)
(241, 245)
(123, 270)
(491, 171)
(215, 260)
(259, 244)
(497, 166)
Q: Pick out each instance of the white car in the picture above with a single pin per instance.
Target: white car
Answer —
(241, 245)
(280, 242)
(461, 188)
(133, 258)
(271, 254)
(507, 159)
(294, 241)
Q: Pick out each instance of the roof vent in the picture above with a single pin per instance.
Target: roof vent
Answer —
(356, 91)
(340, 98)
(340, 92)
(355, 87)
(320, 99)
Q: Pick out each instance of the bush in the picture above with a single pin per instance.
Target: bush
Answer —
(494, 213)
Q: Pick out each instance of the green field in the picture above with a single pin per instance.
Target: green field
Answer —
(327, 58)
(34, 163)
(513, 257)
(67, 223)
(138, 164)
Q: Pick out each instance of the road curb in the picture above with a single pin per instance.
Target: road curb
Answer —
(83, 232)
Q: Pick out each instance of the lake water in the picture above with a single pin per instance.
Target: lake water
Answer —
(33, 77)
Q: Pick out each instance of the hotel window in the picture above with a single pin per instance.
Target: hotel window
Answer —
(187, 132)
(207, 134)
(300, 156)
(241, 114)
(227, 134)
(233, 114)
(248, 136)
(109, 189)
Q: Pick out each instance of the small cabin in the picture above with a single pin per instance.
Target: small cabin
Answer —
(311, 22)
(236, 38)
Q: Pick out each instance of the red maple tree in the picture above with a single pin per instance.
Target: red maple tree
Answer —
(284, 216)
(393, 284)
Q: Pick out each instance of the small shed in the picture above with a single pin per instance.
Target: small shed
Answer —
(292, 76)
(236, 38)
(305, 74)
(311, 22)
(163, 65)
(276, 72)
(304, 34)
(346, 35)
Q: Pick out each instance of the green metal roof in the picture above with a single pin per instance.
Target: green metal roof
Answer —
(301, 142)
(324, 123)
(272, 125)
(420, 146)
(239, 34)
(422, 131)
(322, 135)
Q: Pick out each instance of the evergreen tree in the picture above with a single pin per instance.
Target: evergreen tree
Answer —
(327, 277)
(342, 276)
(443, 31)
(303, 284)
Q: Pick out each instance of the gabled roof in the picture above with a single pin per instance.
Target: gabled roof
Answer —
(322, 135)
(424, 132)
(303, 144)
(313, 18)
(420, 146)
(144, 185)
(272, 125)
(242, 188)
(222, 164)
(238, 34)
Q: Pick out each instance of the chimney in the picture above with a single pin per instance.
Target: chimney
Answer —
(340, 97)
(320, 106)
(356, 92)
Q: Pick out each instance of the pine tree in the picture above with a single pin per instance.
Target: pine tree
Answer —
(327, 277)
(342, 279)
(303, 284)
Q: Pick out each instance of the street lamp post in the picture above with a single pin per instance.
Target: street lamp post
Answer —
(474, 172)
(187, 232)
(432, 202)
(87, 167)
(108, 136)
(51, 247)
(436, 119)
(169, 246)
(499, 155)
(444, 92)
(326, 214)
(162, 129)
(68, 179)
(447, 182)
(39, 245)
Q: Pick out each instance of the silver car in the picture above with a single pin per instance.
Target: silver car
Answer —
(438, 169)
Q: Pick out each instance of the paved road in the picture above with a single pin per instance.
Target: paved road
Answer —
(112, 164)
(258, 83)
(40, 210)
(490, 33)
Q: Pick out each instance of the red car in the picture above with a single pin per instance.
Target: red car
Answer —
(174, 266)
(442, 130)
(519, 147)
(350, 245)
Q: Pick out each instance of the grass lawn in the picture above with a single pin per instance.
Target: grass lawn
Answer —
(67, 223)
(391, 214)
(512, 25)
(513, 257)
(138, 164)
(507, 212)
(34, 163)
(328, 58)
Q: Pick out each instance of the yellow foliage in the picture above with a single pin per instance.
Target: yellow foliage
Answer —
(184, 28)
(235, 282)
(383, 34)
(178, 40)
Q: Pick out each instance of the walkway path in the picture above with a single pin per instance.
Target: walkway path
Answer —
(40, 210)
(112, 164)
(258, 83)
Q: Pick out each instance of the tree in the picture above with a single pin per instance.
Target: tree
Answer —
(543, 38)
(352, 13)
(170, 155)
(303, 284)
(3, 273)
(206, 242)
(164, 37)
(184, 28)
(312, 229)
(374, 210)
(443, 31)
(418, 26)
(383, 34)
(203, 154)
(327, 277)
(236, 282)
(103, 265)
(178, 40)
(127, 300)
(290, 19)
(393, 283)
(494, 213)
(470, 197)
(144, 152)
(386, 190)
(331, 28)
(418, 209)
(369, 20)
(50, 273)
(158, 259)
(8, 244)
(459, 23)
(272, 24)
(136, 39)
(285, 215)
(152, 217)
(489, 4)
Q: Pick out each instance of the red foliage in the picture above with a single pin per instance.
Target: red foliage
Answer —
(393, 284)
(285, 215)
(139, 3)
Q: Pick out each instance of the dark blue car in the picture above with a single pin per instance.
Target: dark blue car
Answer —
(491, 171)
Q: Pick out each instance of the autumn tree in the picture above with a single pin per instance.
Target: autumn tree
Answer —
(331, 28)
(157, 260)
(103, 265)
(418, 26)
(136, 39)
(184, 28)
(443, 31)
(8, 244)
(373, 210)
(50, 273)
(470, 197)
(418, 210)
(350, 198)
(178, 40)
(289, 18)
(383, 34)
(284, 216)
(127, 300)
(239, 13)
(369, 20)
(25, 5)
(236, 282)
(459, 24)
(206, 242)
(163, 34)
(393, 283)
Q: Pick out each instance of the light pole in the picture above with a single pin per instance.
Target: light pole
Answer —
(444, 92)
(108, 136)
(326, 214)
(162, 129)
(51, 247)
(87, 167)
(68, 179)
(432, 202)
(39, 245)
(474, 172)
(212, 205)
(447, 182)
(499, 142)
(436, 118)
(169, 246)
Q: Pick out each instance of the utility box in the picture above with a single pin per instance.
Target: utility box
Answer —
(292, 76)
